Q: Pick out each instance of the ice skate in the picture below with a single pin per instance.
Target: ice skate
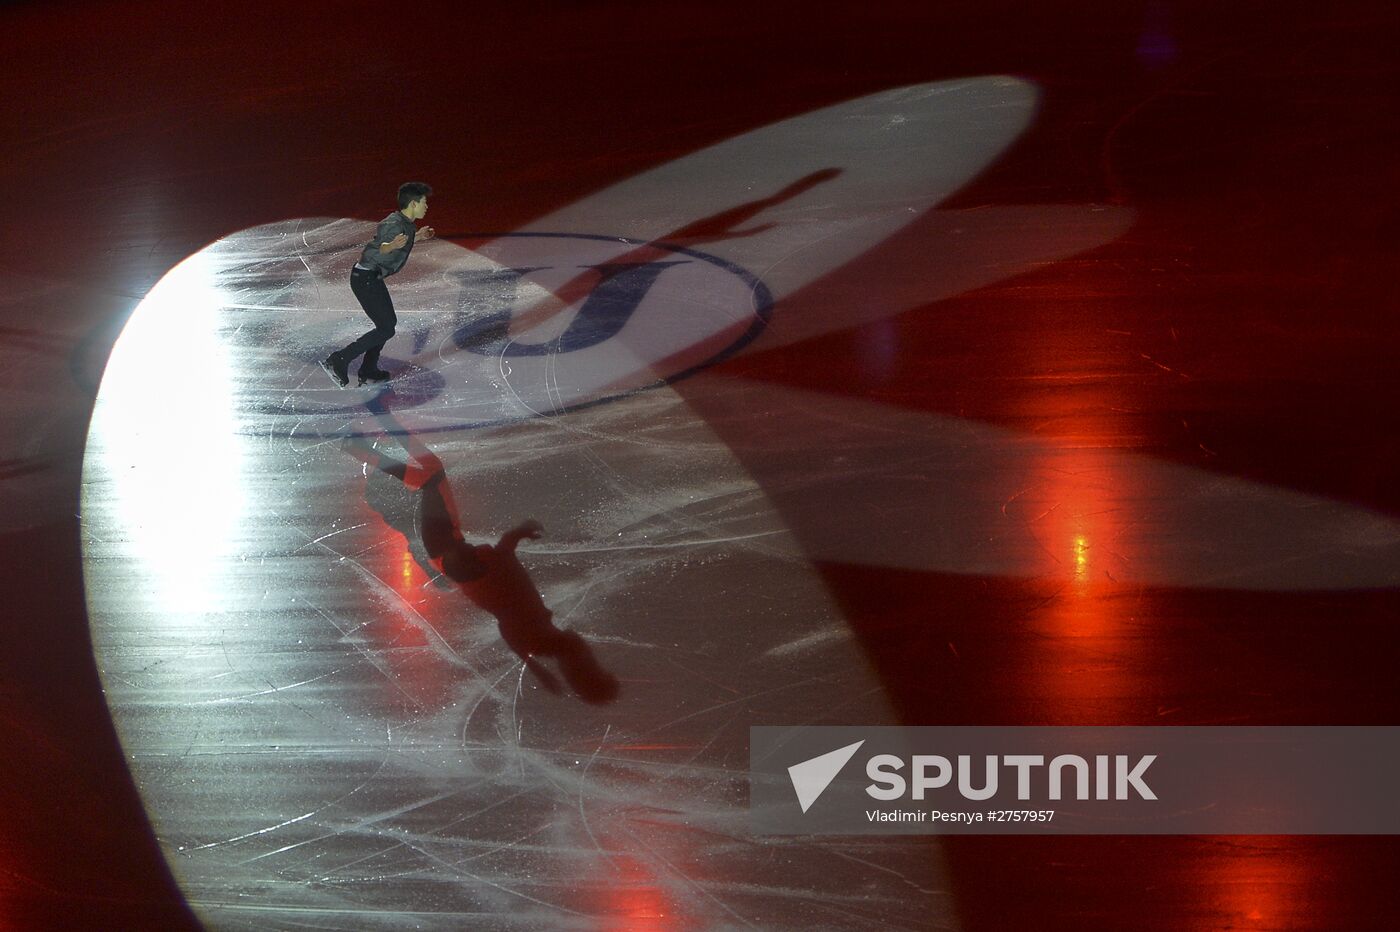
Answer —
(336, 368)
(374, 376)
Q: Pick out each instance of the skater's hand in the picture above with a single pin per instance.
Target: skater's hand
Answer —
(426, 233)
(397, 242)
(531, 529)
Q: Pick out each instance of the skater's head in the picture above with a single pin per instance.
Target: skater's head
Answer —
(413, 199)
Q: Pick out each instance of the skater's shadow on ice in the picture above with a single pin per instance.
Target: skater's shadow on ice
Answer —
(722, 226)
(412, 494)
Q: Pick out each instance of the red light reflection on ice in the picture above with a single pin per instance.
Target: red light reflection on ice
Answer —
(1077, 513)
(1252, 882)
(636, 903)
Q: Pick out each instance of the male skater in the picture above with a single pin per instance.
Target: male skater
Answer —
(382, 256)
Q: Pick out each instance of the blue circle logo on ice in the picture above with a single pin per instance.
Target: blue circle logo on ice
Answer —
(571, 319)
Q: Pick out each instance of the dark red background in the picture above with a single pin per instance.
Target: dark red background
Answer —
(1256, 142)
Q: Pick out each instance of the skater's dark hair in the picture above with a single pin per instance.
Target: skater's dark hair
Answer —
(411, 191)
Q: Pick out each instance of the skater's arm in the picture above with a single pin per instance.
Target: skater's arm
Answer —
(391, 236)
(389, 249)
(398, 242)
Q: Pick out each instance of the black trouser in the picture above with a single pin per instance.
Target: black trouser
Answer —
(374, 298)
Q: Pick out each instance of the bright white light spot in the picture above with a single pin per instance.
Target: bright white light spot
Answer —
(166, 437)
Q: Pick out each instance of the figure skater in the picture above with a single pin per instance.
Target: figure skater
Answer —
(383, 255)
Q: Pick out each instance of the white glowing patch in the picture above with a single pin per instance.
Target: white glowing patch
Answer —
(797, 198)
(164, 438)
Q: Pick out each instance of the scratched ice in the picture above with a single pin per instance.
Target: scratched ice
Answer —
(332, 720)
(329, 733)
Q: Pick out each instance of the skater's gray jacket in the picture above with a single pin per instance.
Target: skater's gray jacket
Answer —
(387, 263)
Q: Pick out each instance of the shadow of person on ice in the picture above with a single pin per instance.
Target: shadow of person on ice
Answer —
(413, 496)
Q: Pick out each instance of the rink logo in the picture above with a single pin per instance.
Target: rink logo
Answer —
(1116, 777)
(610, 294)
(571, 320)
(672, 296)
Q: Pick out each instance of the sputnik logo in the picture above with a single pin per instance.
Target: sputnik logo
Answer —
(811, 777)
